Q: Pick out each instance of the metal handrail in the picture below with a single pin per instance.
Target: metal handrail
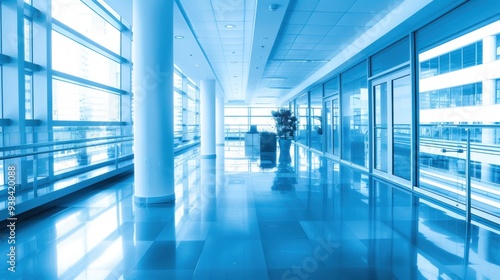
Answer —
(460, 125)
(62, 149)
(63, 142)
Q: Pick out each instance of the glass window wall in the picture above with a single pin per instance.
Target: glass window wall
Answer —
(316, 120)
(354, 110)
(455, 105)
(302, 114)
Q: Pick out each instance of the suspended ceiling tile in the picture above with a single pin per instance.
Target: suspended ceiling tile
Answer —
(232, 15)
(325, 47)
(307, 6)
(341, 31)
(226, 5)
(204, 26)
(309, 39)
(324, 18)
(370, 6)
(299, 17)
(297, 54)
(337, 6)
(316, 29)
(303, 46)
(359, 19)
(292, 29)
(285, 46)
(286, 38)
(319, 55)
(331, 40)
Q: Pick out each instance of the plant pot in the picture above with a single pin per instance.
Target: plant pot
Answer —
(285, 150)
(267, 150)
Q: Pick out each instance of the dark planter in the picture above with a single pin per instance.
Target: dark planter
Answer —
(285, 150)
(267, 150)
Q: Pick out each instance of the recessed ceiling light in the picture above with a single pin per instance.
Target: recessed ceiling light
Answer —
(230, 26)
(179, 37)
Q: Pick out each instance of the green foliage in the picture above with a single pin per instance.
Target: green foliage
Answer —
(285, 123)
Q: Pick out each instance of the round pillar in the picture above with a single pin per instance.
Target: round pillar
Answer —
(153, 101)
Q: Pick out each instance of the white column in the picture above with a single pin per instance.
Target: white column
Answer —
(207, 118)
(153, 100)
(219, 116)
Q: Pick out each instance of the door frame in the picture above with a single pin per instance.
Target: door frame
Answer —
(389, 79)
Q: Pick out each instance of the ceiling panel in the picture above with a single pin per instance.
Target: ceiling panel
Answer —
(337, 6)
(324, 18)
(314, 39)
(289, 43)
(313, 29)
(292, 29)
(307, 6)
(370, 6)
(299, 17)
(359, 19)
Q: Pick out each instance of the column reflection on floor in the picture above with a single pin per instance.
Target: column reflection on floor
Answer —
(310, 218)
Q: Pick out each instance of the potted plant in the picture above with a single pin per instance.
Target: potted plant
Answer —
(286, 125)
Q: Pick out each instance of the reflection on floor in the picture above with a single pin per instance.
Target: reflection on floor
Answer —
(309, 219)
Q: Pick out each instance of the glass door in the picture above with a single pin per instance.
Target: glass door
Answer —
(328, 127)
(392, 118)
(332, 125)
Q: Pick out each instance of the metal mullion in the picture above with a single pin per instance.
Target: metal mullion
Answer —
(86, 83)
(105, 14)
(83, 40)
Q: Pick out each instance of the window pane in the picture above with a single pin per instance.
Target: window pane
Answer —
(28, 89)
(355, 115)
(336, 126)
(390, 57)
(469, 56)
(331, 87)
(72, 58)
(84, 20)
(177, 112)
(461, 108)
(236, 111)
(28, 40)
(302, 117)
(402, 119)
(177, 81)
(261, 111)
(456, 60)
(316, 119)
(380, 118)
(444, 63)
(73, 102)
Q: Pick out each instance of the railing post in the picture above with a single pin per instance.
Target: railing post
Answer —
(35, 176)
(116, 155)
(467, 179)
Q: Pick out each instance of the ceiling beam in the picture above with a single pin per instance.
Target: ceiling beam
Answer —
(268, 20)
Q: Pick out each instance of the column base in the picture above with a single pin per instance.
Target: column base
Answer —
(155, 199)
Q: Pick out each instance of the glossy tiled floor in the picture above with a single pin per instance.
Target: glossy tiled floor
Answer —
(310, 219)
